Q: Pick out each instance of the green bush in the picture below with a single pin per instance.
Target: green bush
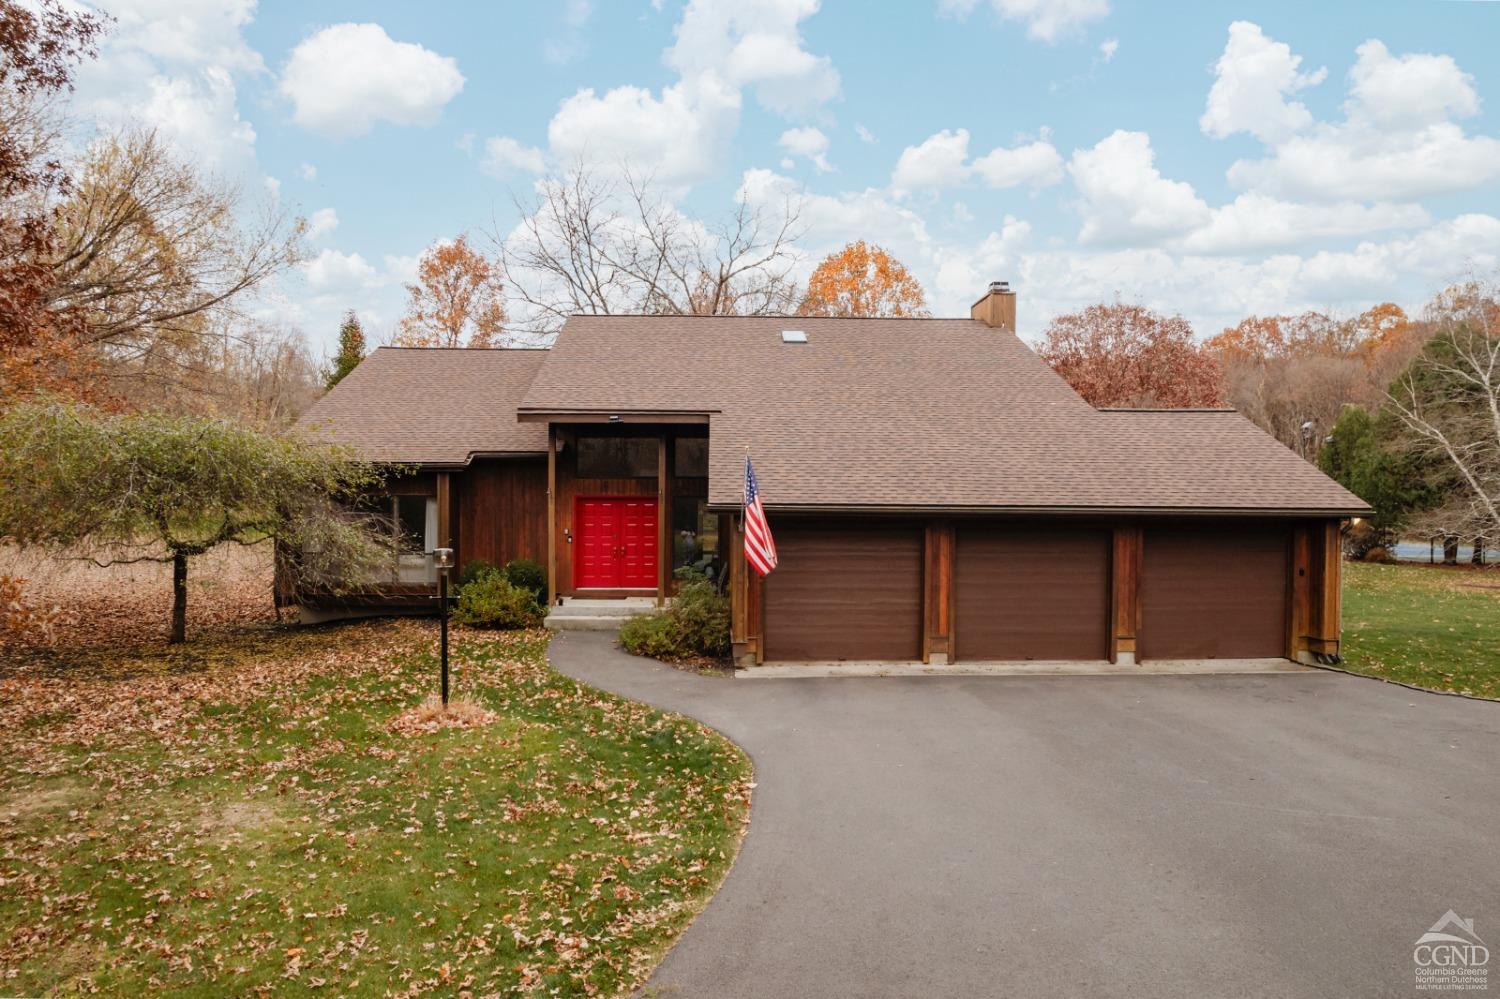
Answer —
(474, 569)
(492, 601)
(652, 635)
(697, 624)
(528, 575)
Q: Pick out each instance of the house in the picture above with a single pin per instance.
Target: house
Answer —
(936, 491)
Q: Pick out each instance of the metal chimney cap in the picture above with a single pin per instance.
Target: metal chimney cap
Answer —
(1002, 287)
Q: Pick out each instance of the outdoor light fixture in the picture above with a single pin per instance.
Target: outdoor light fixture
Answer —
(614, 419)
(442, 558)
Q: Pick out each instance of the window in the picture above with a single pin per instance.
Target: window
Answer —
(695, 535)
(415, 521)
(691, 454)
(616, 457)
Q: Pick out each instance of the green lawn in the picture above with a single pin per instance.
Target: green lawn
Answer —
(239, 819)
(1430, 626)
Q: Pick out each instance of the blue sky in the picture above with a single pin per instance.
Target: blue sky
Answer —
(1216, 160)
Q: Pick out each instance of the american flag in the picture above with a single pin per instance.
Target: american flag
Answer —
(760, 549)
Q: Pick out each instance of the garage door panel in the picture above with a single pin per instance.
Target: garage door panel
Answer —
(1214, 593)
(1040, 594)
(852, 594)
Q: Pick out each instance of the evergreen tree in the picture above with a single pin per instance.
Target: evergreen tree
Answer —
(351, 348)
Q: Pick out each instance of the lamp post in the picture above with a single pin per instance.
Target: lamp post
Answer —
(443, 559)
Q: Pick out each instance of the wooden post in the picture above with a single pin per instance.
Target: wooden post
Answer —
(1125, 594)
(663, 524)
(1299, 617)
(444, 512)
(937, 594)
(551, 515)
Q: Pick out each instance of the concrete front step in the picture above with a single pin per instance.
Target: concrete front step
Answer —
(597, 615)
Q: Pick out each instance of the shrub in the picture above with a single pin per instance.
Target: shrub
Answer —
(528, 575)
(652, 635)
(492, 601)
(474, 569)
(697, 624)
(1377, 554)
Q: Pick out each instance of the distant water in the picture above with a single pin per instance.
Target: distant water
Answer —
(1419, 551)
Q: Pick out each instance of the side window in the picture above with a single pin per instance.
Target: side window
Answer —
(691, 454)
(416, 522)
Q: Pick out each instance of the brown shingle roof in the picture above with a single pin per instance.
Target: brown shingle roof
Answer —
(896, 414)
(431, 406)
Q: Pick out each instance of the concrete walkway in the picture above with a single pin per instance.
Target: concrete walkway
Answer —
(1200, 836)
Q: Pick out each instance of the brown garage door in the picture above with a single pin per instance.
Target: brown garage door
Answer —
(1031, 594)
(1214, 592)
(845, 593)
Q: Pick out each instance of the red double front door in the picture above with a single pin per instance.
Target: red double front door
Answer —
(615, 544)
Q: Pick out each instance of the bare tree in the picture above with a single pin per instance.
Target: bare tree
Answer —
(590, 244)
(1449, 399)
(154, 258)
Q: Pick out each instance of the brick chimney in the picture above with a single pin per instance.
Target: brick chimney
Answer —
(997, 307)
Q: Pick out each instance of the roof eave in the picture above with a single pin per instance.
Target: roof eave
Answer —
(1068, 511)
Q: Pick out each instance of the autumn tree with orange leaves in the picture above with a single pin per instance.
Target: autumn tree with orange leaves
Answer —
(1293, 375)
(457, 300)
(863, 280)
(1127, 355)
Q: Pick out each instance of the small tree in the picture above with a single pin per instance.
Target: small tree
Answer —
(1367, 455)
(351, 349)
(863, 280)
(458, 300)
(1127, 355)
(154, 488)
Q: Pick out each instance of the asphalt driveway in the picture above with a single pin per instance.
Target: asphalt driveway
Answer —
(1285, 835)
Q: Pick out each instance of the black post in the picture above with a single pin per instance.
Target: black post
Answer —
(443, 616)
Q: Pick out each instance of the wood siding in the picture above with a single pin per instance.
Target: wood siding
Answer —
(502, 510)
(840, 592)
(1032, 592)
(1219, 591)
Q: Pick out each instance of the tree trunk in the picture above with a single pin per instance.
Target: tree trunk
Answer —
(1478, 557)
(1450, 549)
(179, 599)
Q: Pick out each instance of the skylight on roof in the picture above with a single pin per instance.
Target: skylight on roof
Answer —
(793, 336)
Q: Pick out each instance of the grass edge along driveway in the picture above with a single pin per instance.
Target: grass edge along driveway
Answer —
(256, 827)
(1429, 626)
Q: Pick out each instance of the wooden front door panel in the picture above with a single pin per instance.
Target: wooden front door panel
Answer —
(1036, 593)
(844, 593)
(1214, 592)
(615, 544)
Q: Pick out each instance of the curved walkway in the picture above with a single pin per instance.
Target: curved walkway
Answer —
(1288, 835)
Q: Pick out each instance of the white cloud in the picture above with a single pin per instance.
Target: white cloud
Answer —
(809, 143)
(940, 160)
(1253, 79)
(1036, 164)
(502, 155)
(1398, 140)
(1045, 20)
(307, 172)
(1259, 222)
(1125, 198)
(332, 270)
(343, 79)
(1108, 48)
(755, 43)
(679, 134)
(321, 222)
(865, 135)
(678, 137)
(187, 32)
(830, 221)
(171, 65)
